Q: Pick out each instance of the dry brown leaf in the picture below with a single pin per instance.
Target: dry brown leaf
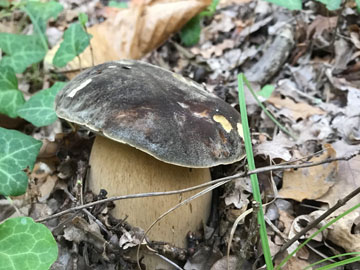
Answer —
(286, 219)
(279, 147)
(321, 24)
(348, 177)
(295, 264)
(313, 182)
(135, 31)
(294, 110)
(225, 3)
(215, 49)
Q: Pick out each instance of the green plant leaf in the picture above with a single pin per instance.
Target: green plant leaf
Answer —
(20, 51)
(75, 42)
(190, 33)
(39, 13)
(117, 4)
(8, 78)
(17, 153)
(290, 4)
(83, 19)
(39, 109)
(251, 163)
(4, 3)
(210, 10)
(266, 91)
(26, 245)
(10, 97)
(10, 101)
(357, 5)
(331, 4)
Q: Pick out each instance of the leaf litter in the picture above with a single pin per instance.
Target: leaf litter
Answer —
(312, 61)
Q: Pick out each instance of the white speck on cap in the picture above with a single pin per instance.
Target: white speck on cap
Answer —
(77, 89)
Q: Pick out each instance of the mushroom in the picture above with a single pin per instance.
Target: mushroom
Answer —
(159, 132)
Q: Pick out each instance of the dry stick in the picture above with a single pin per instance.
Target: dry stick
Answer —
(314, 223)
(225, 179)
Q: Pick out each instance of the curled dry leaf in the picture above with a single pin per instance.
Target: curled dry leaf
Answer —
(340, 233)
(297, 226)
(238, 197)
(131, 33)
(131, 238)
(279, 147)
(313, 182)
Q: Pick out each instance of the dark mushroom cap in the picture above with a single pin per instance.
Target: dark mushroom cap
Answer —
(159, 112)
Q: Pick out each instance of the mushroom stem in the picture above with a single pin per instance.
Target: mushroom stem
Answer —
(121, 169)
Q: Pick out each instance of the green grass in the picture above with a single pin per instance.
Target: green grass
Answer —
(253, 177)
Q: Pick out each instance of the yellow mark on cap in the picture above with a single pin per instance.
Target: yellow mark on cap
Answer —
(223, 122)
(240, 130)
(77, 89)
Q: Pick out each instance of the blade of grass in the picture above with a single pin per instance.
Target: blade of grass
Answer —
(253, 177)
(332, 257)
(340, 263)
(284, 129)
(316, 233)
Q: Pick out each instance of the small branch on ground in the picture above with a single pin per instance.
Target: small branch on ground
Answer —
(224, 179)
(315, 222)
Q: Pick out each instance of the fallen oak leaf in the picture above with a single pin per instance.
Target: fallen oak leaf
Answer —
(310, 183)
(293, 110)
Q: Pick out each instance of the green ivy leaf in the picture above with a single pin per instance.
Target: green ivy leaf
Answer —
(39, 13)
(190, 33)
(39, 109)
(290, 4)
(8, 78)
(331, 4)
(75, 42)
(17, 153)
(4, 3)
(10, 97)
(21, 51)
(26, 245)
(10, 101)
(357, 5)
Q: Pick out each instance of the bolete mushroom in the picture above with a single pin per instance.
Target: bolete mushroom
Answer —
(159, 132)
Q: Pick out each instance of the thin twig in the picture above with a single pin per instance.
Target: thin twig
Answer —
(225, 179)
(91, 216)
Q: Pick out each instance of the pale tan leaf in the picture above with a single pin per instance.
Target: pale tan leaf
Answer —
(131, 33)
(294, 110)
(313, 182)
